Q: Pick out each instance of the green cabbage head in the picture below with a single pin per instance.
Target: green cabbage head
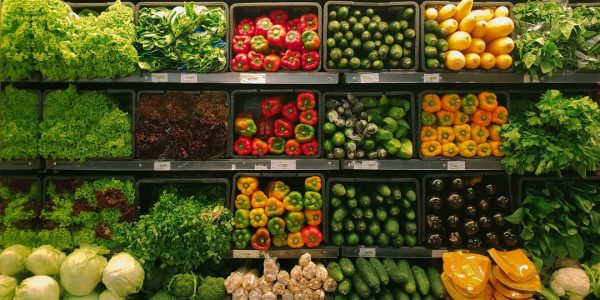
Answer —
(38, 287)
(45, 260)
(8, 285)
(123, 275)
(12, 260)
(81, 271)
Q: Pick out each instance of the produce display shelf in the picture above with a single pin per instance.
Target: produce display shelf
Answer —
(402, 252)
(184, 165)
(20, 165)
(418, 164)
(317, 252)
(466, 77)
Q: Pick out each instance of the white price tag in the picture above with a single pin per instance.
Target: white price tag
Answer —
(456, 165)
(189, 78)
(366, 252)
(431, 77)
(253, 78)
(159, 77)
(162, 166)
(245, 254)
(259, 166)
(530, 79)
(283, 164)
(438, 253)
(370, 165)
(369, 78)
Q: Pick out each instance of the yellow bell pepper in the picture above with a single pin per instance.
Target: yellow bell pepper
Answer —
(242, 202)
(450, 150)
(479, 134)
(467, 148)
(247, 185)
(462, 132)
(258, 217)
(496, 149)
(495, 132)
(431, 149)
(312, 183)
(278, 189)
(428, 134)
(294, 240)
(445, 134)
(484, 149)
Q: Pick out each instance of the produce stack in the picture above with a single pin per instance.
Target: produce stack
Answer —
(361, 127)
(276, 41)
(274, 214)
(19, 214)
(385, 279)
(382, 214)
(458, 37)
(19, 121)
(371, 38)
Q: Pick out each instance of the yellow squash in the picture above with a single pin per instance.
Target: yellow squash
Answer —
(480, 29)
(477, 46)
(503, 45)
(497, 28)
(446, 12)
(467, 24)
(459, 40)
(455, 60)
(472, 61)
(448, 27)
(463, 9)
(504, 61)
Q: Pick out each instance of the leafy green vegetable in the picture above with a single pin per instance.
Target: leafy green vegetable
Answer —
(19, 121)
(18, 214)
(184, 38)
(554, 134)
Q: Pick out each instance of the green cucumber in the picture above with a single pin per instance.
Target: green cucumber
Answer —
(421, 279)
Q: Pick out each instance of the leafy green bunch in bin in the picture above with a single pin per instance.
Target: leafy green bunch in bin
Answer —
(367, 127)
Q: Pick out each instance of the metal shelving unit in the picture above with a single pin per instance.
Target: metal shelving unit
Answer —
(403, 252)
(418, 164)
(466, 77)
(317, 252)
(20, 165)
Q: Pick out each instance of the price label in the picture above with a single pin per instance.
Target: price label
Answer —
(369, 78)
(431, 78)
(366, 252)
(253, 78)
(245, 254)
(189, 78)
(456, 165)
(530, 79)
(159, 77)
(283, 164)
(162, 166)
(438, 253)
(260, 166)
(370, 165)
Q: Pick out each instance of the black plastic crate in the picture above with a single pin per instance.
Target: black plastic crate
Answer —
(147, 188)
(249, 101)
(97, 7)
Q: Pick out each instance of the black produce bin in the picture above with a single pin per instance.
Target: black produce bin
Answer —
(249, 101)
(296, 183)
(373, 181)
(503, 100)
(253, 10)
(97, 7)
(149, 189)
(385, 8)
(476, 5)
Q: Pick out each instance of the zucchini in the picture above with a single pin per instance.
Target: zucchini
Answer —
(437, 287)
(346, 266)
(415, 296)
(409, 285)
(353, 296)
(368, 274)
(386, 294)
(360, 286)
(399, 293)
(429, 297)
(345, 287)
(393, 271)
(384, 278)
(335, 272)
(421, 279)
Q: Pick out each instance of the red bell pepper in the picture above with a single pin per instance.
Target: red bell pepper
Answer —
(305, 101)
(259, 43)
(256, 60)
(309, 22)
(276, 36)
(284, 129)
(290, 112)
(265, 127)
(259, 147)
(292, 148)
(262, 25)
(271, 106)
(293, 40)
(278, 16)
(261, 240)
(240, 63)
(242, 146)
(245, 27)
(309, 117)
(272, 63)
(276, 145)
(310, 60)
(310, 40)
(311, 148)
(311, 235)
(291, 60)
(294, 24)
(241, 44)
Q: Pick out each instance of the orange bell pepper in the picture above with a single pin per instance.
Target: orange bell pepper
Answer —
(450, 149)
(451, 102)
(495, 132)
(460, 118)
(431, 149)
(479, 134)
(462, 132)
(274, 207)
(484, 149)
(481, 117)
(247, 185)
(500, 115)
(312, 183)
(488, 101)
(242, 202)
(259, 199)
(278, 189)
(294, 240)
(496, 149)
(428, 134)
(444, 118)
(313, 217)
(467, 148)
(445, 134)
(431, 103)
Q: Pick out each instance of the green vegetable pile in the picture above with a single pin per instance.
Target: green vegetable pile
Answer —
(45, 36)
(18, 211)
(385, 279)
(553, 36)
(367, 127)
(19, 120)
(362, 38)
(183, 38)
(81, 126)
(373, 214)
(560, 219)
(555, 133)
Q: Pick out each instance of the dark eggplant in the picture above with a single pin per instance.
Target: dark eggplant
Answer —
(470, 211)
(499, 220)
(434, 203)
(434, 222)
(484, 222)
(453, 221)
(502, 202)
(455, 239)
(484, 205)
(473, 242)
(455, 201)
(437, 184)
(457, 184)
(491, 240)
(470, 194)
(470, 227)
(434, 240)
(510, 238)
(490, 189)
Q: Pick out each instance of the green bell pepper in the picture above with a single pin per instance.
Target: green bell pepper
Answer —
(312, 200)
(427, 119)
(396, 112)
(279, 240)
(390, 124)
(241, 218)
(368, 102)
(383, 102)
(304, 133)
(276, 226)
(383, 135)
(406, 150)
(397, 101)
(392, 146)
(293, 201)
(294, 221)
(241, 238)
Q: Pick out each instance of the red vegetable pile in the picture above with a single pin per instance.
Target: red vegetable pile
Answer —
(275, 42)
